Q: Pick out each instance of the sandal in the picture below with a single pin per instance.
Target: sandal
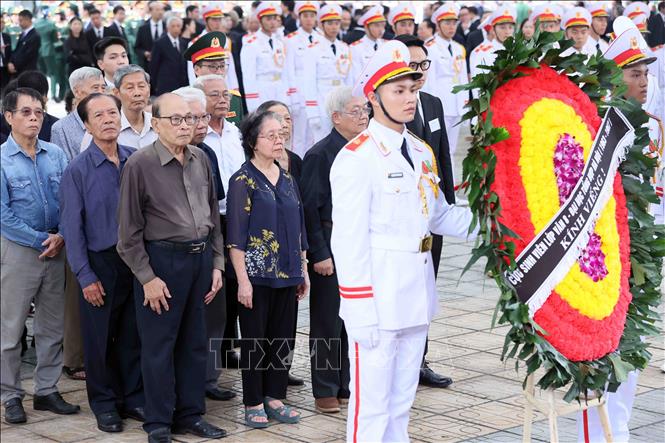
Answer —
(74, 373)
(250, 414)
(282, 414)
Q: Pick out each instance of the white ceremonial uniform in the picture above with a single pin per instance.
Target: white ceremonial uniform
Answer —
(592, 45)
(361, 52)
(229, 152)
(448, 69)
(657, 68)
(382, 209)
(325, 69)
(484, 54)
(263, 69)
(296, 44)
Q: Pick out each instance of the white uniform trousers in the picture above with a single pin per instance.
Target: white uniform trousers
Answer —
(452, 128)
(302, 137)
(619, 407)
(383, 385)
(322, 131)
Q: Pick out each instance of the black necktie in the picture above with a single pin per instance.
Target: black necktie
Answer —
(175, 45)
(450, 48)
(311, 39)
(405, 153)
(270, 43)
(418, 125)
(156, 32)
(597, 46)
(334, 49)
(376, 45)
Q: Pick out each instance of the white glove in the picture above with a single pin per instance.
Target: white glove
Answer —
(315, 123)
(365, 336)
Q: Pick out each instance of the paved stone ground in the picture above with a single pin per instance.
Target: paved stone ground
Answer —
(484, 404)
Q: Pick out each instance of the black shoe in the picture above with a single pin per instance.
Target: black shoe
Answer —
(137, 414)
(54, 403)
(231, 360)
(14, 412)
(109, 422)
(219, 394)
(295, 381)
(201, 429)
(161, 435)
(432, 379)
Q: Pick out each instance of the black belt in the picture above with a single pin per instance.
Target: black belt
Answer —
(195, 247)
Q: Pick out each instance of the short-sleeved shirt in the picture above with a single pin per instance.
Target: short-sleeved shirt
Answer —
(266, 221)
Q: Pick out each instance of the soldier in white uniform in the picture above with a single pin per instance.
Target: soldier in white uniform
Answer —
(600, 16)
(502, 22)
(548, 16)
(327, 65)
(363, 50)
(629, 51)
(263, 58)
(448, 69)
(296, 44)
(386, 202)
(577, 25)
(402, 18)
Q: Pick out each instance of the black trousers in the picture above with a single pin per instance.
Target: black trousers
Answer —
(328, 343)
(264, 348)
(110, 338)
(437, 246)
(231, 324)
(215, 318)
(173, 344)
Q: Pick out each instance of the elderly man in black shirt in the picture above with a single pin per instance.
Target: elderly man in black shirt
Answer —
(169, 235)
(328, 344)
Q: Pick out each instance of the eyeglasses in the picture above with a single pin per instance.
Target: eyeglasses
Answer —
(176, 120)
(358, 111)
(272, 137)
(205, 118)
(422, 66)
(215, 66)
(216, 95)
(27, 112)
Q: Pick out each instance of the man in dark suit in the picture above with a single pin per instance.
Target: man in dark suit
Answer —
(168, 68)
(148, 33)
(193, 12)
(96, 30)
(5, 56)
(656, 27)
(116, 28)
(429, 125)
(25, 55)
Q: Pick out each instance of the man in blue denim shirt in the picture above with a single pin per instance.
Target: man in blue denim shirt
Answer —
(32, 263)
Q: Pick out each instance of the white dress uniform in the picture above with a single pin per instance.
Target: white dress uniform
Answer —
(363, 50)
(597, 9)
(629, 47)
(579, 16)
(485, 54)
(383, 213)
(325, 69)
(263, 60)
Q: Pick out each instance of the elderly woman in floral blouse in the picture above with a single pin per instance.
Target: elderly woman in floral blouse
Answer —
(267, 241)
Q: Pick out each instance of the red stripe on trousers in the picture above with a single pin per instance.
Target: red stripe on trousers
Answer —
(355, 415)
(585, 420)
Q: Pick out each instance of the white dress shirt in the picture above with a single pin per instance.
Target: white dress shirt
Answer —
(128, 136)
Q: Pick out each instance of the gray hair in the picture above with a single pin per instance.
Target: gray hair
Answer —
(82, 74)
(126, 70)
(191, 94)
(199, 83)
(170, 16)
(337, 99)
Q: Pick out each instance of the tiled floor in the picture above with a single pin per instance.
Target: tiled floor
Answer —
(484, 404)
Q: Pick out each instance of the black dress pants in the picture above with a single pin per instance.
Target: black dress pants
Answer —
(110, 338)
(173, 344)
(215, 316)
(264, 348)
(328, 343)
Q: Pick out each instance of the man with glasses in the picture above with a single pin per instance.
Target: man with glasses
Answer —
(328, 340)
(32, 264)
(224, 138)
(169, 235)
(209, 55)
(429, 125)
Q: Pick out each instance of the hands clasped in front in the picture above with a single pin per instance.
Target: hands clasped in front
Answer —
(155, 292)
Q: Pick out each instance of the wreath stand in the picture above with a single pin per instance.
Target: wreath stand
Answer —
(553, 406)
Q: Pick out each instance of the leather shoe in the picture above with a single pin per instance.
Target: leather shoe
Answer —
(14, 412)
(295, 381)
(137, 414)
(160, 435)
(219, 394)
(201, 429)
(109, 422)
(55, 403)
(432, 379)
(327, 405)
(231, 360)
